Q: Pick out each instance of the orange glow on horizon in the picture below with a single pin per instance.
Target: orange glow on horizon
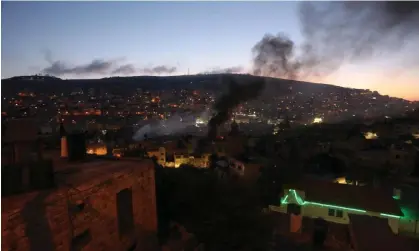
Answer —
(396, 84)
(395, 81)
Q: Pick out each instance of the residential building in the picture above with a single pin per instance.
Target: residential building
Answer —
(372, 233)
(89, 205)
(407, 195)
(159, 153)
(97, 148)
(245, 170)
(334, 202)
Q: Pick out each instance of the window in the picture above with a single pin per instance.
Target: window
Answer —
(125, 211)
(339, 213)
(331, 212)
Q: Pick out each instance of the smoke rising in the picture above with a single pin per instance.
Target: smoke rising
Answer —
(228, 70)
(335, 33)
(103, 67)
(176, 124)
(237, 94)
(126, 69)
(100, 67)
(161, 69)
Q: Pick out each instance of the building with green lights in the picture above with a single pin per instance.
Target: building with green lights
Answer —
(335, 202)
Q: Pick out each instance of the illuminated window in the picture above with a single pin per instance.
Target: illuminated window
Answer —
(339, 213)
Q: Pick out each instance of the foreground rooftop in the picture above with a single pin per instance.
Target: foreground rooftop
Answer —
(79, 176)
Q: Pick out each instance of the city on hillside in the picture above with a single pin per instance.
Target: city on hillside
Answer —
(168, 126)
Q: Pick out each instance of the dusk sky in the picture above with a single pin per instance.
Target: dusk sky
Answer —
(167, 38)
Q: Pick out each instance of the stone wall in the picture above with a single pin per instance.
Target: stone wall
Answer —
(84, 217)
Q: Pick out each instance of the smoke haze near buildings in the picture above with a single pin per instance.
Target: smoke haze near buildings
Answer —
(237, 94)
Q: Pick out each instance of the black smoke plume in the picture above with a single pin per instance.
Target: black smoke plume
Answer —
(228, 70)
(338, 32)
(237, 94)
(161, 69)
(101, 67)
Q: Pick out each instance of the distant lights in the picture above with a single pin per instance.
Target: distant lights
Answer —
(370, 135)
(317, 120)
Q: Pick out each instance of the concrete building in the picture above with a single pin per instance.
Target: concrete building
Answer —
(159, 153)
(96, 205)
(50, 203)
(398, 159)
(247, 171)
(334, 202)
(371, 233)
(97, 149)
(196, 160)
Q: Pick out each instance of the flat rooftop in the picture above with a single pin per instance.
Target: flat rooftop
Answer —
(78, 176)
(372, 234)
(359, 197)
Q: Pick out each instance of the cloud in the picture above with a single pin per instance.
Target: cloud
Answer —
(218, 70)
(161, 69)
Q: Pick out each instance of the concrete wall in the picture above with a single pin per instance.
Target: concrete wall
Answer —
(409, 227)
(68, 217)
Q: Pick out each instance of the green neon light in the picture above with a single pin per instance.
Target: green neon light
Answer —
(284, 201)
(390, 215)
(301, 202)
(298, 198)
(337, 207)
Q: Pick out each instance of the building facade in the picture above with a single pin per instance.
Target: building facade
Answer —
(99, 205)
(336, 202)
